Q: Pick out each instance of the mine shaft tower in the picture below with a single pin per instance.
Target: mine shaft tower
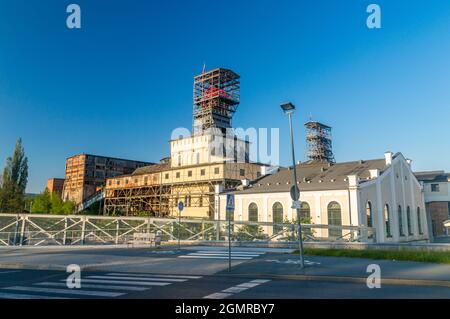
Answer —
(318, 138)
(216, 97)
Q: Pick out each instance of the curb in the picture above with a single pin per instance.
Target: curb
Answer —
(359, 280)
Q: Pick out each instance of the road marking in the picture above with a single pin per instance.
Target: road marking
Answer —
(236, 289)
(138, 283)
(137, 278)
(233, 252)
(222, 254)
(152, 276)
(66, 291)
(90, 286)
(9, 272)
(6, 295)
(212, 257)
(217, 295)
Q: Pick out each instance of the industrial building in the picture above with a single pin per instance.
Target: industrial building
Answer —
(55, 185)
(86, 174)
(200, 166)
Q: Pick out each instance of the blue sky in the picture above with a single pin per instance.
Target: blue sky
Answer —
(120, 85)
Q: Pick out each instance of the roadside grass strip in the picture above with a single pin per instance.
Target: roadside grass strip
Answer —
(404, 254)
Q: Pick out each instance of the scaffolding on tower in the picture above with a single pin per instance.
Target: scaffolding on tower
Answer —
(318, 138)
(216, 98)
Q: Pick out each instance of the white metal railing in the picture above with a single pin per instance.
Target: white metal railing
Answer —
(40, 230)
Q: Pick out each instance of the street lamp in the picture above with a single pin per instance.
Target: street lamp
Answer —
(289, 108)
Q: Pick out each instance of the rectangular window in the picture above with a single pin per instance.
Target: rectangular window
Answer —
(178, 175)
(145, 180)
(435, 188)
(167, 176)
(202, 172)
(189, 173)
(216, 170)
(242, 172)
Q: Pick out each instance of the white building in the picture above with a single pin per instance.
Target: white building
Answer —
(437, 200)
(382, 194)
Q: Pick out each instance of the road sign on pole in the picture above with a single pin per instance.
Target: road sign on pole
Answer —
(230, 203)
(180, 209)
(229, 212)
(295, 193)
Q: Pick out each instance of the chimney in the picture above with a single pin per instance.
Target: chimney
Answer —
(409, 161)
(388, 156)
(374, 173)
(353, 180)
(245, 182)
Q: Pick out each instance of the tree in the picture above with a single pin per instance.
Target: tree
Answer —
(51, 203)
(14, 181)
(42, 204)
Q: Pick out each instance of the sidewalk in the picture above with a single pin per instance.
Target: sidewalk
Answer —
(286, 266)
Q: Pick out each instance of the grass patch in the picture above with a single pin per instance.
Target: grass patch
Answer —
(440, 257)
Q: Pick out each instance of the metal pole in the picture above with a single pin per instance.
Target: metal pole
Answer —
(300, 239)
(179, 223)
(229, 244)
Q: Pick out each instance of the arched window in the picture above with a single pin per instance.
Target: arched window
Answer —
(387, 220)
(334, 219)
(277, 216)
(369, 214)
(408, 221)
(252, 212)
(305, 212)
(400, 221)
(419, 221)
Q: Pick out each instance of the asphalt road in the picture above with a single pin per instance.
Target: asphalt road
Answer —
(202, 272)
(42, 284)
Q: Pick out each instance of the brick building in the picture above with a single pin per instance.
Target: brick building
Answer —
(85, 174)
(55, 185)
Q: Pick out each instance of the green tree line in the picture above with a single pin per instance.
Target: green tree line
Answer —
(13, 183)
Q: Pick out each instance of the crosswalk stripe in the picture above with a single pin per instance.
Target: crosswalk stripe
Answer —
(214, 257)
(137, 278)
(66, 291)
(217, 295)
(233, 252)
(248, 285)
(260, 281)
(9, 272)
(152, 276)
(223, 254)
(90, 286)
(235, 290)
(6, 295)
(138, 283)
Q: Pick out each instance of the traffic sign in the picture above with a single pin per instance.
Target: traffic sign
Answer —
(180, 206)
(295, 193)
(230, 203)
(296, 204)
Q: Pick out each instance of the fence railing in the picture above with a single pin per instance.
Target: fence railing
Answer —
(43, 230)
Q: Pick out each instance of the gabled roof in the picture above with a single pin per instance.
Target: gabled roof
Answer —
(315, 176)
(433, 176)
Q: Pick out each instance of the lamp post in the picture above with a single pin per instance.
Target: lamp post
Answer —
(288, 109)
